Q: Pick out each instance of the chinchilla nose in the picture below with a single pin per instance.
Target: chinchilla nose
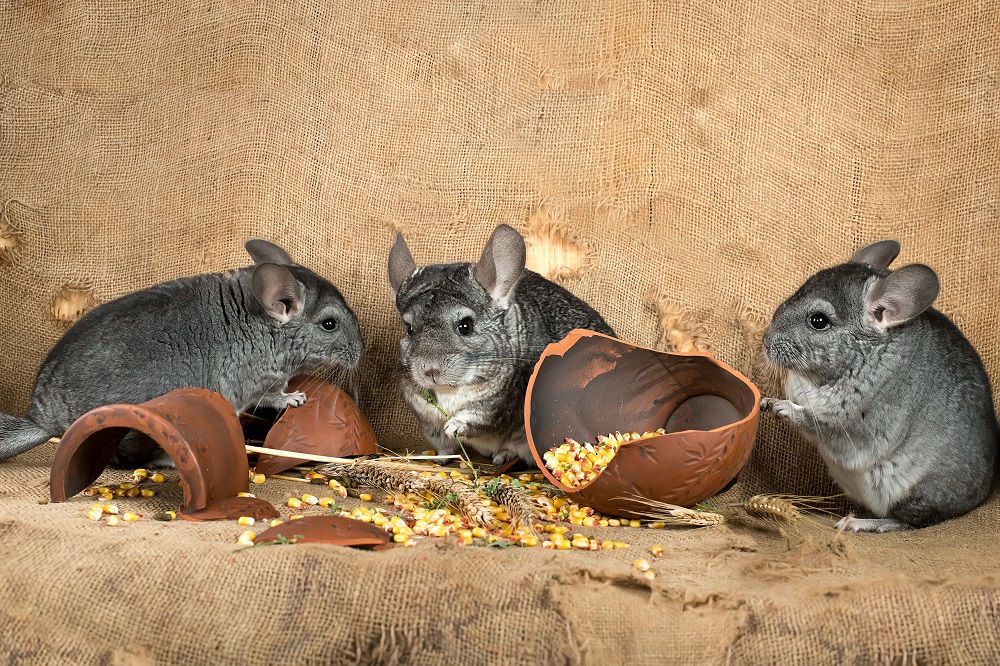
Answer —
(433, 373)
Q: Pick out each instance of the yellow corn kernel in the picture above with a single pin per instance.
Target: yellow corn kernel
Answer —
(104, 490)
(258, 479)
(607, 544)
(548, 544)
(614, 522)
(148, 492)
(635, 523)
(107, 497)
(43, 499)
(246, 538)
(109, 508)
(621, 544)
(529, 541)
(296, 516)
(275, 522)
(246, 521)
(651, 575)
(130, 517)
(479, 532)
(91, 491)
(365, 497)
(641, 564)
(564, 545)
(126, 486)
(244, 494)
(295, 503)
(379, 519)
(657, 525)
(326, 502)
(133, 492)
(157, 477)
(657, 550)
(111, 521)
(400, 538)
(140, 475)
(95, 513)
(310, 499)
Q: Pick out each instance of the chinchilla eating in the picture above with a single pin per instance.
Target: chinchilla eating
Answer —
(243, 334)
(473, 333)
(894, 396)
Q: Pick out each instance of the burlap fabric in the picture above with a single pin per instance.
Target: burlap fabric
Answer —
(682, 166)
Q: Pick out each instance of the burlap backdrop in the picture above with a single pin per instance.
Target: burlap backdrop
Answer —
(688, 164)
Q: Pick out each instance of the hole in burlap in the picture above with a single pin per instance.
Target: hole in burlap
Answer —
(10, 237)
(72, 301)
(553, 251)
(677, 328)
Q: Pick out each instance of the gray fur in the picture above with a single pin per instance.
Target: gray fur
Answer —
(208, 331)
(479, 380)
(893, 395)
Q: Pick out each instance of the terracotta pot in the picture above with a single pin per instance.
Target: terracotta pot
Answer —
(328, 424)
(198, 429)
(589, 384)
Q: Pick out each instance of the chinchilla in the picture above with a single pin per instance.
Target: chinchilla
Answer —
(893, 395)
(473, 335)
(243, 334)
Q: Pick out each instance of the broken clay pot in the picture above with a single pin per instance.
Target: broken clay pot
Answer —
(197, 428)
(333, 530)
(328, 424)
(590, 384)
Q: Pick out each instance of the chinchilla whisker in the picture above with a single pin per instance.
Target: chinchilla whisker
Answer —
(269, 388)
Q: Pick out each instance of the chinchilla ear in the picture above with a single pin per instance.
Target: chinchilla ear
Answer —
(278, 291)
(502, 263)
(901, 295)
(877, 255)
(264, 252)
(401, 264)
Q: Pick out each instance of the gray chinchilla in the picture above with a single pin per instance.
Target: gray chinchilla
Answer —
(243, 334)
(890, 391)
(473, 335)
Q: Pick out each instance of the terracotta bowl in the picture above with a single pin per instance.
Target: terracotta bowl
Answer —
(589, 384)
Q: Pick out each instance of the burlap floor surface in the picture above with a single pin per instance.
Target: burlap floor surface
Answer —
(683, 166)
(76, 591)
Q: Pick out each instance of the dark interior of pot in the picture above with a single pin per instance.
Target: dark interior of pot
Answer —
(603, 385)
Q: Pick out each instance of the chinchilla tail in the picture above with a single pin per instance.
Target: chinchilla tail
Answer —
(18, 435)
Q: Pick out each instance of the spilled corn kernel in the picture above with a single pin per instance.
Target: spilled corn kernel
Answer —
(310, 499)
(157, 477)
(258, 479)
(641, 564)
(165, 516)
(130, 517)
(295, 503)
(246, 538)
(147, 492)
(245, 521)
(657, 550)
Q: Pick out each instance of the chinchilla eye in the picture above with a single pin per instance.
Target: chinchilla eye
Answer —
(819, 321)
(409, 329)
(464, 326)
(329, 324)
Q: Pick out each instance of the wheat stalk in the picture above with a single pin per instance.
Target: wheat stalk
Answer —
(520, 507)
(460, 495)
(672, 514)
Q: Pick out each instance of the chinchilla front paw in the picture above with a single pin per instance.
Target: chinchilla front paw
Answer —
(783, 409)
(296, 399)
(454, 427)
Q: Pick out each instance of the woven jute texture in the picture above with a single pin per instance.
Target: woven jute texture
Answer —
(683, 166)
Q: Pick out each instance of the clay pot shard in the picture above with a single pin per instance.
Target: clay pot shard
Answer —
(590, 384)
(197, 428)
(333, 530)
(328, 424)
